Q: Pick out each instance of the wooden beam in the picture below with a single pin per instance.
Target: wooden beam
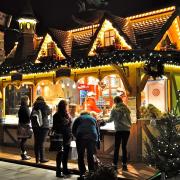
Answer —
(148, 132)
(143, 82)
(123, 77)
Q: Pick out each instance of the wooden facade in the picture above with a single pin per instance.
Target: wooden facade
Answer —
(116, 45)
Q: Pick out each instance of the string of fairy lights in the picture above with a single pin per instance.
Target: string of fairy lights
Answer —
(151, 58)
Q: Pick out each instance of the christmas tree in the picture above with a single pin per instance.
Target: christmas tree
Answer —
(163, 150)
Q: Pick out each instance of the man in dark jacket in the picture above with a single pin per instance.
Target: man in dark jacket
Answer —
(85, 130)
(41, 130)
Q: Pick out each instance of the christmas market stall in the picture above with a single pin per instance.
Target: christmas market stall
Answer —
(135, 57)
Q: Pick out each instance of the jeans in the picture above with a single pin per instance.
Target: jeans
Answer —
(82, 145)
(121, 136)
(22, 145)
(40, 135)
(62, 157)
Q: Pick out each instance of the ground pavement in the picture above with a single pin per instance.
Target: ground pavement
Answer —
(137, 171)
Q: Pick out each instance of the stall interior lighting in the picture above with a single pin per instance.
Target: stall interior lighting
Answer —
(74, 86)
(63, 85)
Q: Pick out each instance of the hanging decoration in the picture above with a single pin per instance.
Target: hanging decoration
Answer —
(154, 68)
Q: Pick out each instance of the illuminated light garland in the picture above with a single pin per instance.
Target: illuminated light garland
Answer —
(114, 57)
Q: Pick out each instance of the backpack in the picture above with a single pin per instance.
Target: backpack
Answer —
(36, 118)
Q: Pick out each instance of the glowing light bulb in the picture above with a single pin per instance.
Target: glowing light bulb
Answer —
(63, 85)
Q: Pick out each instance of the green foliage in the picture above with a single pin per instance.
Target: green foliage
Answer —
(163, 151)
(150, 112)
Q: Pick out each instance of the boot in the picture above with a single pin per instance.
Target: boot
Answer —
(42, 158)
(59, 173)
(124, 167)
(24, 156)
(37, 157)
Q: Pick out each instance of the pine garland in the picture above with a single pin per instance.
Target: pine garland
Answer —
(154, 62)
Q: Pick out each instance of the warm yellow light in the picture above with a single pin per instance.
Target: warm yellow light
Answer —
(26, 20)
(84, 28)
(152, 12)
(43, 51)
(107, 25)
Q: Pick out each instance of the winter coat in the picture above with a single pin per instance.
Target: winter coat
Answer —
(120, 114)
(45, 110)
(62, 125)
(85, 127)
(24, 115)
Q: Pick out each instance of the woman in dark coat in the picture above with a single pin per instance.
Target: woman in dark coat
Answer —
(40, 131)
(24, 121)
(62, 125)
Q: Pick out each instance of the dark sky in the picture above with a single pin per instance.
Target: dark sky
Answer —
(53, 12)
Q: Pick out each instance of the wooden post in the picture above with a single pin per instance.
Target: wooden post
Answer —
(123, 78)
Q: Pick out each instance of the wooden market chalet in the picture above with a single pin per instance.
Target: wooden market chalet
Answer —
(138, 49)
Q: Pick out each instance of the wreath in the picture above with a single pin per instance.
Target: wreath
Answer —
(154, 69)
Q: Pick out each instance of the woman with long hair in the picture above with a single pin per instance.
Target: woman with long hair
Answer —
(62, 126)
(24, 128)
(120, 114)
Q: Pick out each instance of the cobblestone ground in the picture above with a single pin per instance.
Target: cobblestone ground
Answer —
(21, 172)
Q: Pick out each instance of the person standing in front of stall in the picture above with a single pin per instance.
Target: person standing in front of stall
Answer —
(120, 114)
(85, 130)
(40, 129)
(24, 128)
(62, 126)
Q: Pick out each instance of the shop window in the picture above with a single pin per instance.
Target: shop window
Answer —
(88, 91)
(51, 51)
(166, 44)
(65, 88)
(112, 86)
(98, 95)
(109, 37)
(13, 97)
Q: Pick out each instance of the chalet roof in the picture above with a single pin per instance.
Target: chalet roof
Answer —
(63, 39)
(27, 11)
(148, 28)
(81, 42)
(124, 27)
(140, 31)
(17, 59)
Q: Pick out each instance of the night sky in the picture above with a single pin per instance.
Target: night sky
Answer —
(53, 12)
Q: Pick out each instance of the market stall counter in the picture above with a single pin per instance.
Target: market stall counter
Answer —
(8, 137)
(107, 142)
